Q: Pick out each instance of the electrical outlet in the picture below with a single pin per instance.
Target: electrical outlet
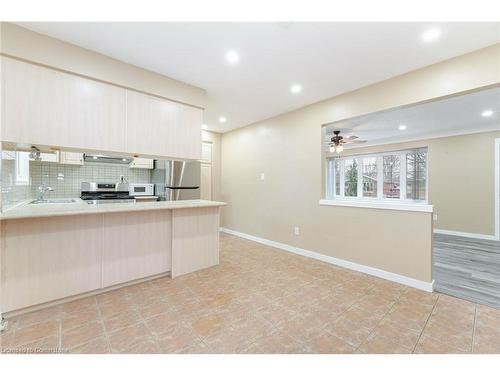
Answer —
(262, 176)
(296, 231)
(435, 216)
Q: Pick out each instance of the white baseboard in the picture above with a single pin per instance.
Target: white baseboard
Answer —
(468, 235)
(414, 283)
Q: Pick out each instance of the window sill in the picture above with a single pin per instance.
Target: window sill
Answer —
(416, 207)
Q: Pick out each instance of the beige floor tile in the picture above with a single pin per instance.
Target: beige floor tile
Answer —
(157, 307)
(197, 347)
(486, 340)
(145, 346)
(376, 344)
(208, 325)
(81, 334)
(39, 316)
(79, 318)
(228, 340)
(451, 335)
(261, 300)
(6, 339)
(329, 344)
(46, 345)
(303, 326)
(129, 337)
(349, 331)
(362, 318)
(408, 318)
(276, 313)
(125, 319)
(375, 304)
(176, 338)
(113, 308)
(35, 332)
(397, 334)
(488, 317)
(79, 305)
(98, 345)
(163, 322)
(276, 342)
(428, 345)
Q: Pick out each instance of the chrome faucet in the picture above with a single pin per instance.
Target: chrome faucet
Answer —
(42, 189)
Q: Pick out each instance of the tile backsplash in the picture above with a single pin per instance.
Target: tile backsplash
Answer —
(64, 179)
(11, 193)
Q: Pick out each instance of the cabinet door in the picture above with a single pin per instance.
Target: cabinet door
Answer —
(160, 127)
(48, 107)
(75, 158)
(188, 122)
(46, 259)
(206, 182)
(136, 246)
(206, 152)
(141, 163)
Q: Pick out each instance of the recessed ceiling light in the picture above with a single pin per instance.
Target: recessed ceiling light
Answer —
(402, 127)
(222, 119)
(487, 113)
(295, 89)
(232, 57)
(204, 126)
(431, 35)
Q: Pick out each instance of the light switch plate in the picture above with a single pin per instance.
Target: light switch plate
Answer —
(262, 176)
(296, 231)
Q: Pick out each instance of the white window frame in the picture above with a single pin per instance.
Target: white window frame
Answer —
(22, 176)
(402, 200)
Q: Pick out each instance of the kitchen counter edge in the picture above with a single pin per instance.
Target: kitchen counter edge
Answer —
(28, 211)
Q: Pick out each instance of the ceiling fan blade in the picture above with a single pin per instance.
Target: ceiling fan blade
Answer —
(351, 137)
(355, 141)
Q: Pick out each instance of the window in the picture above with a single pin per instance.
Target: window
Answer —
(416, 175)
(369, 177)
(350, 178)
(393, 176)
(22, 168)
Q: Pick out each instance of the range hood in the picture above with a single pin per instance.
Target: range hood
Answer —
(95, 158)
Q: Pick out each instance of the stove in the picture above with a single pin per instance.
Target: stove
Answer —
(98, 193)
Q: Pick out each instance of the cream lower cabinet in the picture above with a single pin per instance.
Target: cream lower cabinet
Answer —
(195, 239)
(46, 259)
(47, 107)
(136, 245)
(156, 126)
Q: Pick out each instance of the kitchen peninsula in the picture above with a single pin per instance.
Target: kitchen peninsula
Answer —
(57, 251)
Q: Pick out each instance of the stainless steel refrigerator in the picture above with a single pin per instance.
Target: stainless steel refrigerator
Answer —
(176, 180)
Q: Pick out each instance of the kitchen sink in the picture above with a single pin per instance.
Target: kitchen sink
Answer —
(54, 201)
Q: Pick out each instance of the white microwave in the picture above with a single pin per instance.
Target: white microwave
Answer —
(141, 189)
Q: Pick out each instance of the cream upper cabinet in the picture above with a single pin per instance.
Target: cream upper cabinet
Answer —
(141, 163)
(75, 158)
(49, 107)
(161, 127)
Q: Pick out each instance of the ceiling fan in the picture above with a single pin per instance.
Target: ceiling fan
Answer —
(337, 142)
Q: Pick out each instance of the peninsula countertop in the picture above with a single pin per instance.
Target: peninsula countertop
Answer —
(79, 207)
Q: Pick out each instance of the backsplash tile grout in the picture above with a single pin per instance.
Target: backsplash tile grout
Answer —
(63, 178)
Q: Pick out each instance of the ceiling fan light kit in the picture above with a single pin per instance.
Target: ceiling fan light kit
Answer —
(337, 142)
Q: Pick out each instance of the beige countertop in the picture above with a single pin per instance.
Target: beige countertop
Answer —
(27, 210)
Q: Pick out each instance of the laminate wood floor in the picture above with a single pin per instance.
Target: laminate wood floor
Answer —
(467, 268)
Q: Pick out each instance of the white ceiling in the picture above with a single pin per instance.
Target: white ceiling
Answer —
(457, 115)
(327, 59)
